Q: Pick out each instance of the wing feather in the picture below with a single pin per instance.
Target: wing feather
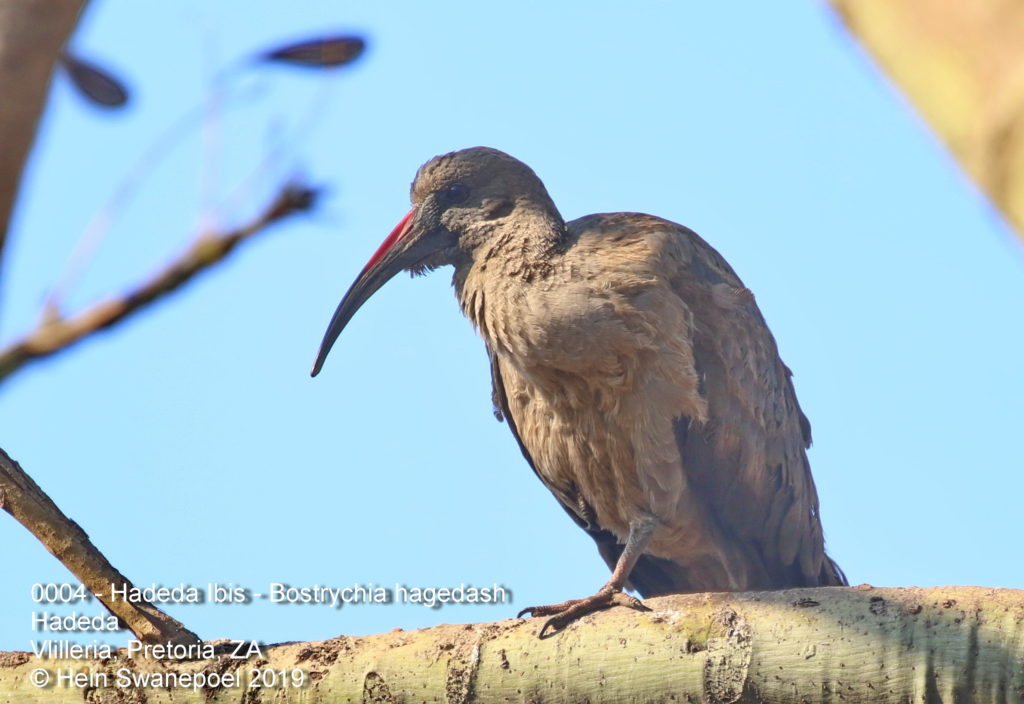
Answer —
(747, 458)
(752, 461)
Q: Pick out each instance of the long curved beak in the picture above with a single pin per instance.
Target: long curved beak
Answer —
(394, 255)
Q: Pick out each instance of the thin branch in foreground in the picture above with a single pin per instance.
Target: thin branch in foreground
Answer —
(22, 498)
(58, 334)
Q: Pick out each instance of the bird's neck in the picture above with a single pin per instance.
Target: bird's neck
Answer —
(516, 252)
(522, 246)
(516, 248)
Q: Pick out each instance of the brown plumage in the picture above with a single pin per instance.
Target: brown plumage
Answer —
(635, 371)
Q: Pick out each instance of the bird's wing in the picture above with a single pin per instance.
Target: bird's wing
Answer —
(747, 459)
(651, 576)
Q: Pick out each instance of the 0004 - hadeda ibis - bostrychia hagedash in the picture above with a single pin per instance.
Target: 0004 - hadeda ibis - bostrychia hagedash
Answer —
(635, 371)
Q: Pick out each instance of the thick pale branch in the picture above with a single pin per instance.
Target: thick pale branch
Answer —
(962, 65)
(58, 334)
(858, 644)
(32, 34)
(22, 498)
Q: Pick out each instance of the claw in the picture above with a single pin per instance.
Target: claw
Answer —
(568, 611)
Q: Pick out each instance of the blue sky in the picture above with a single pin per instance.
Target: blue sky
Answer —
(193, 447)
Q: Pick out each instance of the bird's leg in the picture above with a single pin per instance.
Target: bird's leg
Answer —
(611, 593)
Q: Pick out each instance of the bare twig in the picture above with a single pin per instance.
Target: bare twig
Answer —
(135, 177)
(22, 498)
(56, 335)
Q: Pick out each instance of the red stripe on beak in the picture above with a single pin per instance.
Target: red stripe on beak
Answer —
(401, 230)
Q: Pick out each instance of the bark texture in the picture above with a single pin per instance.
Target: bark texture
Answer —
(962, 64)
(832, 644)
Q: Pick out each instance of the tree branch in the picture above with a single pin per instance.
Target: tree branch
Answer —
(32, 34)
(22, 498)
(962, 65)
(57, 335)
(832, 644)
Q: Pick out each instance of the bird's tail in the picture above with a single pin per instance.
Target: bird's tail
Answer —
(832, 574)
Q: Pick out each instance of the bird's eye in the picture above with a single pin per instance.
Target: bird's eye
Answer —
(455, 193)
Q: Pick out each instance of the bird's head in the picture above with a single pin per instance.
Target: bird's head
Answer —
(459, 200)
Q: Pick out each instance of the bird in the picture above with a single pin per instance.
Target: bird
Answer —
(635, 371)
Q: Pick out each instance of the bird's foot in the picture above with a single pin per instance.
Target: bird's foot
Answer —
(568, 611)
